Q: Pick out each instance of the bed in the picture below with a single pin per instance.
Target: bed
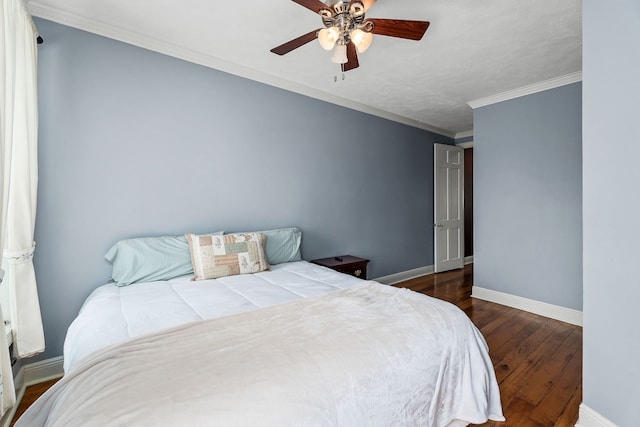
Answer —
(296, 344)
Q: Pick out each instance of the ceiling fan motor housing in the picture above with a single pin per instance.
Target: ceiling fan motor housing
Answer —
(345, 17)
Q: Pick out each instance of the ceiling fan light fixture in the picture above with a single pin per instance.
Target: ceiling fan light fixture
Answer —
(328, 37)
(348, 32)
(361, 39)
(339, 54)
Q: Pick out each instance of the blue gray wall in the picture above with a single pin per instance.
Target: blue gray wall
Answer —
(528, 197)
(135, 143)
(611, 66)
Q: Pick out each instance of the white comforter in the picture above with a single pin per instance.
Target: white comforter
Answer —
(115, 314)
(370, 355)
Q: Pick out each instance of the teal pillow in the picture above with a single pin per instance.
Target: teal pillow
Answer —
(282, 245)
(147, 259)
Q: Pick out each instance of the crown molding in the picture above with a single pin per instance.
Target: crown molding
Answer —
(464, 134)
(186, 54)
(527, 90)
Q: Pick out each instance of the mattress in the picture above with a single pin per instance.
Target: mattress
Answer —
(113, 314)
(297, 345)
(366, 355)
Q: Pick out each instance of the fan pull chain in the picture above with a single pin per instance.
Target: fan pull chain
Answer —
(335, 78)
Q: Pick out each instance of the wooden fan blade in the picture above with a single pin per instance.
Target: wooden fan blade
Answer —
(413, 30)
(313, 5)
(295, 43)
(352, 58)
(367, 4)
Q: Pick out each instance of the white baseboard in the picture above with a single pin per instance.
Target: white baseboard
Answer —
(552, 311)
(44, 370)
(536, 307)
(590, 418)
(392, 279)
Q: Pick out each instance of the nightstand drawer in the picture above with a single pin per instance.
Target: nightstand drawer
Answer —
(346, 264)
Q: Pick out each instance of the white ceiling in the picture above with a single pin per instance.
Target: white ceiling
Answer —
(473, 48)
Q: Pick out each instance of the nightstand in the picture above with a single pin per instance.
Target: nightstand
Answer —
(346, 264)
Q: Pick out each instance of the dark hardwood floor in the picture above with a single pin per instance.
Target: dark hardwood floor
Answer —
(31, 394)
(538, 361)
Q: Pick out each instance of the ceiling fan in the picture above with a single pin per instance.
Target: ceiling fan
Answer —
(347, 30)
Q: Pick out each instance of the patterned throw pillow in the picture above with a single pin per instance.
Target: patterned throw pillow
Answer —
(215, 256)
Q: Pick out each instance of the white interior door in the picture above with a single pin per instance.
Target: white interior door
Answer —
(448, 227)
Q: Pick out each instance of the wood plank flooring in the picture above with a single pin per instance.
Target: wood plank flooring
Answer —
(538, 361)
(31, 394)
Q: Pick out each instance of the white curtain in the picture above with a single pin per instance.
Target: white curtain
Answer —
(18, 183)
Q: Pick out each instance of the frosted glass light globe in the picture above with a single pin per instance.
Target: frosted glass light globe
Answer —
(328, 37)
(361, 39)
